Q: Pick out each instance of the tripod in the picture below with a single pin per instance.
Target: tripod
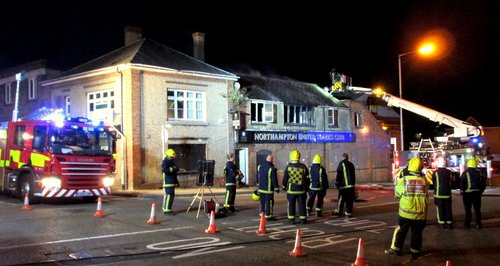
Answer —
(199, 196)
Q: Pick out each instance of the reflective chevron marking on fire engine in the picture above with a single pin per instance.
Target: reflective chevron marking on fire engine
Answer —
(61, 192)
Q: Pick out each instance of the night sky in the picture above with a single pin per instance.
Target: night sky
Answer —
(302, 41)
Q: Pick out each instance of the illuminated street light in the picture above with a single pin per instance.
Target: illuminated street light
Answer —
(426, 49)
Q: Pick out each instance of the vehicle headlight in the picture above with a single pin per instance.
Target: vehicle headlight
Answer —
(51, 182)
(108, 181)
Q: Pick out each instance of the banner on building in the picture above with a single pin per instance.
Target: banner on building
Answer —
(291, 137)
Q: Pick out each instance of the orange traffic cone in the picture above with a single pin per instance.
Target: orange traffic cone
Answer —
(211, 227)
(99, 213)
(448, 263)
(26, 205)
(360, 259)
(262, 227)
(297, 250)
(152, 217)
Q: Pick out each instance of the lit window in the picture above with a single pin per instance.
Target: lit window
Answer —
(8, 93)
(32, 88)
(333, 117)
(263, 112)
(185, 105)
(100, 106)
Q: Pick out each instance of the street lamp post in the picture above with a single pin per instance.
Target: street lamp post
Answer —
(401, 96)
(426, 49)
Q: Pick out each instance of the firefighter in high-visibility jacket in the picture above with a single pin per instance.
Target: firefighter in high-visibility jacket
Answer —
(170, 181)
(412, 191)
(231, 174)
(268, 184)
(345, 182)
(318, 187)
(441, 178)
(472, 186)
(296, 184)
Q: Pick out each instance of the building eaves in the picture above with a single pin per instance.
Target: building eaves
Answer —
(290, 92)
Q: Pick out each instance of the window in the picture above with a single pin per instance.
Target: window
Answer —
(333, 117)
(8, 93)
(40, 138)
(20, 135)
(188, 156)
(67, 105)
(358, 122)
(299, 114)
(100, 105)
(32, 88)
(263, 112)
(185, 105)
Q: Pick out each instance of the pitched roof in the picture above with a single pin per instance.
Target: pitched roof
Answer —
(147, 52)
(287, 91)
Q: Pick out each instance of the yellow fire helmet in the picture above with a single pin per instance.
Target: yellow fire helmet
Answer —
(471, 163)
(255, 195)
(170, 153)
(317, 158)
(294, 156)
(415, 165)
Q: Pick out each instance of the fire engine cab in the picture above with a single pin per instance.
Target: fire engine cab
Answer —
(57, 157)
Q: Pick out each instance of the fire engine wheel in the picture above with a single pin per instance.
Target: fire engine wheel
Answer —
(26, 185)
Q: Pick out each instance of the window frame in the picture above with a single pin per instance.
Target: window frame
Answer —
(332, 113)
(299, 115)
(8, 93)
(192, 105)
(32, 89)
(263, 112)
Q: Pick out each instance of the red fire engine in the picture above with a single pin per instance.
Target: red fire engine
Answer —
(59, 158)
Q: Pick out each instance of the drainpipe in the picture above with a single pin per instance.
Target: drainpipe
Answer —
(124, 179)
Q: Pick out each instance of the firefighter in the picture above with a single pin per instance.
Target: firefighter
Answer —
(268, 184)
(318, 187)
(345, 182)
(296, 184)
(412, 191)
(231, 173)
(472, 186)
(170, 181)
(441, 178)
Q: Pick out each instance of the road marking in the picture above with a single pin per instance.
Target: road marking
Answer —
(93, 237)
(374, 205)
(200, 242)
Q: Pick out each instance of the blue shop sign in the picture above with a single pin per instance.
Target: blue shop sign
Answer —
(291, 137)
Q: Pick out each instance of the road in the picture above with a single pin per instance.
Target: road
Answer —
(57, 233)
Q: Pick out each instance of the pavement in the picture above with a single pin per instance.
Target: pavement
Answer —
(491, 191)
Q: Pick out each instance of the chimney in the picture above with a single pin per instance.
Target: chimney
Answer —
(132, 34)
(199, 46)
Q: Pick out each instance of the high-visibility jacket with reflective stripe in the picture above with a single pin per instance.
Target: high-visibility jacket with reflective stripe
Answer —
(268, 180)
(169, 173)
(319, 178)
(231, 173)
(412, 191)
(346, 176)
(296, 178)
(472, 180)
(442, 183)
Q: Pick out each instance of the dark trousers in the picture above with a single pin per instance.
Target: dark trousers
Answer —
(346, 198)
(417, 228)
(472, 199)
(300, 199)
(444, 211)
(267, 204)
(168, 199)
(230, 196)
(320, 194)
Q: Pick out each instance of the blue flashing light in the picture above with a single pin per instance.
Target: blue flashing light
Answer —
(475, 140)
